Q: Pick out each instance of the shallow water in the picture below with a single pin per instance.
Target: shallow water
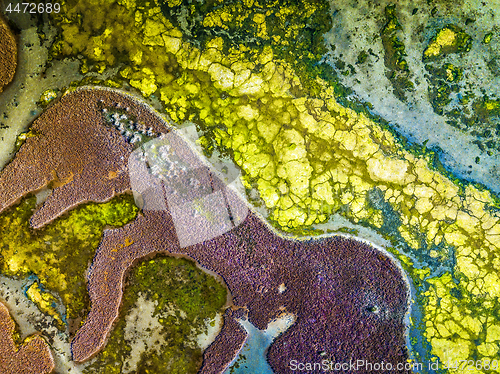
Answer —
(252, 357)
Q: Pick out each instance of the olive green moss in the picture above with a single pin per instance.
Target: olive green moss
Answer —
(395, 52)
(59, 253)
(173, 284)
(22, 137)
(487, 38)
(494, 66)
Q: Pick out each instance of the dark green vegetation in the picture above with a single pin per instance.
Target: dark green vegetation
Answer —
(450, 39)
(451, 93)
(443, 81)
(398, 72)
(444, 78)
(59, 254)
(291, 27)
(185, 297)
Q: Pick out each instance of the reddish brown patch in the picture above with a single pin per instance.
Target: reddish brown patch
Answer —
(75, 152)
(33, 357)
(8, 54)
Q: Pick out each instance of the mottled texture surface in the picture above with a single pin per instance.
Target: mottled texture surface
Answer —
(33, 357)
(349, 298)
(167, 302)
(232, 336)
(8, 54)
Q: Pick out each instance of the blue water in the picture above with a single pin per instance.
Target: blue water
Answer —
(252, 357)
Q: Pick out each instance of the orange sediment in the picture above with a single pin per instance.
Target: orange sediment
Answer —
(8, 55)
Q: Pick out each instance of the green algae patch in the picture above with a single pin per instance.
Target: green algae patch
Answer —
(290, 28)
(60, 253)
(450, 39)
(443, 81)
(22, 137)
(487, 38)
(477, 116)
(180, 299)
(395, 53)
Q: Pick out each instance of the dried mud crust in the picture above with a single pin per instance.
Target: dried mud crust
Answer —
(349, 299)
(8, 54)
(33, 357)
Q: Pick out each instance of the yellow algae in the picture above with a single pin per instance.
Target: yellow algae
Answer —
(45, 301)
(492, 285)
(445, 38)
(488, 349)
(386, 170)
(467, 222)
(289, 145)
(59, 253)
(449, 39)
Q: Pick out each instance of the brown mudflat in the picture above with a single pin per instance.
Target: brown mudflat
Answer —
(33, 357)
(8, 54)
